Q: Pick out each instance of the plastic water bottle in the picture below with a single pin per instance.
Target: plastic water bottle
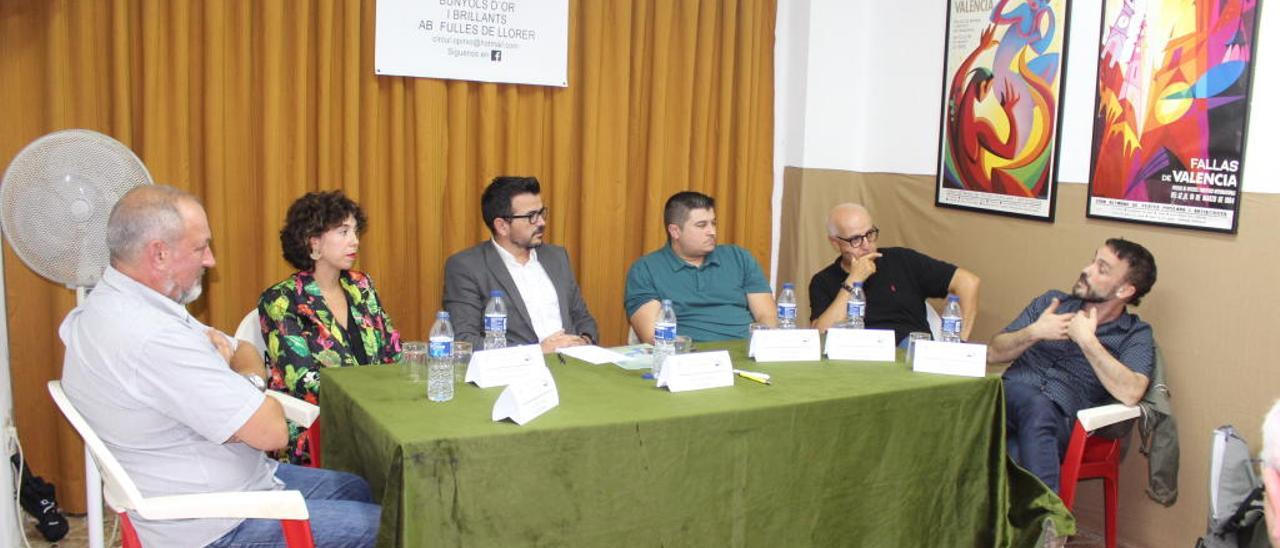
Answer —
(857, 307)
(664, 336)
(787, 306)
(952, 321)
(495, 322)
(440, 359)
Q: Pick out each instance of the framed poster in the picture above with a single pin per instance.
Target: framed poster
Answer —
(1171, 111)
(1002, 79)
(504, 41)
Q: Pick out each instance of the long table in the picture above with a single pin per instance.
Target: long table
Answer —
(831, 454)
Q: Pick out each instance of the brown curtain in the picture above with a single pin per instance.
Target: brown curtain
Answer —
(251, 104)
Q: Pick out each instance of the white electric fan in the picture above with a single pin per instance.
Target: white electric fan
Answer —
(54, 202)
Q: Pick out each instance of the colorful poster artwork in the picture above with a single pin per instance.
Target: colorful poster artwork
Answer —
(1171, 111)
(1000, 110)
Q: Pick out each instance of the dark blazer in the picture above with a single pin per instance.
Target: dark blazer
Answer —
(471, 274)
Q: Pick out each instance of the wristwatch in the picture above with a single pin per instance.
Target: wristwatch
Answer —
(257, 382)
(846, 287)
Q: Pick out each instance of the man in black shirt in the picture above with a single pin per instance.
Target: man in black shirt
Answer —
(896, 280)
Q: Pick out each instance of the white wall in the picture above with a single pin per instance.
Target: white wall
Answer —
(791, 55)
(9, 530)
(873, 93)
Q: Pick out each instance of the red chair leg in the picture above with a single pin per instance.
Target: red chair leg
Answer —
(1111, 485)
(128, 535)
(297, 533)
(313, 443)
(1071, 462)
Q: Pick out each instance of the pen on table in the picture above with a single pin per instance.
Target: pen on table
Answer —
(762, 378)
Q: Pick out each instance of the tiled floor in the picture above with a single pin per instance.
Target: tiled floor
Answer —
(77, 536)
(1087, 539)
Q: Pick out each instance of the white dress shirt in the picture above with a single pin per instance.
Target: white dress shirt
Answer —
(540, 297)
(143, 373)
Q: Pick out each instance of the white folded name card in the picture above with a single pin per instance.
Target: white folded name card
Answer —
(872, 345)
(696, 371)
(949, 358)
(786, 345)
(526, 399)
(489, 368)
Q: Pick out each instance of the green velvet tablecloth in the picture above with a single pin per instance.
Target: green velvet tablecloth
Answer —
(831, 454)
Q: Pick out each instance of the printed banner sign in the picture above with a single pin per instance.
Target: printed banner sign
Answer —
(506, 41)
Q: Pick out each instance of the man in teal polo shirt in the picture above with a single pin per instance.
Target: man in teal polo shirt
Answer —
(717, 290)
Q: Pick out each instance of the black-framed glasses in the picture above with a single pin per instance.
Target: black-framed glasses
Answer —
(857, 239)
(532, 216)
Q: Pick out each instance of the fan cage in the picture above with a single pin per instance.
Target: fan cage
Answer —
(55, 199)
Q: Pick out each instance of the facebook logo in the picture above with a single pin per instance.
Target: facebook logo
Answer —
(495, 55)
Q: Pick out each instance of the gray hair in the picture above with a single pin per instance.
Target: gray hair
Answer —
(144, 214)
(1271, 438)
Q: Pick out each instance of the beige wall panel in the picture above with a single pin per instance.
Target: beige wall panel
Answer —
(1214, 307)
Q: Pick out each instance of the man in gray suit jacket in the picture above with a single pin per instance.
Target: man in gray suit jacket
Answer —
(544, 303)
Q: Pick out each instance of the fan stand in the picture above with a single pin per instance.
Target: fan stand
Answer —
(92, 479)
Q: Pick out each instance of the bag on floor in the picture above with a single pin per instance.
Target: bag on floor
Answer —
(36, 496)
(1235, 495)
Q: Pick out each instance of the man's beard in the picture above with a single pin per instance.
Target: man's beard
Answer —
(1083, 291)
(190, 294)
(530, 244)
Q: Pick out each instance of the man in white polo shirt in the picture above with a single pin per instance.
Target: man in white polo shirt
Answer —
(544, 303)
(169, 396)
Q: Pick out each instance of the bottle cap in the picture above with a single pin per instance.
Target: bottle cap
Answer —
(953, 297)
(442, 315)
(788, 285)
(495, 293)
(857, 284)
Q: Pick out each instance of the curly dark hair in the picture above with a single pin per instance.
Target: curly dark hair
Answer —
(311, 216)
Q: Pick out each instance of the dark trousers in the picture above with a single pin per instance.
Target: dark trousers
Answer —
(1037, 431)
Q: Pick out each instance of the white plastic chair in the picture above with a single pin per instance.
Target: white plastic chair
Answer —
(122, 495)
(250, 330)
(302, 413)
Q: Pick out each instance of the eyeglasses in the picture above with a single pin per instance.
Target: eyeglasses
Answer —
(532, 216)
(856, 240)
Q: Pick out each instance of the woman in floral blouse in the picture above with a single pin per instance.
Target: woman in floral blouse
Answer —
(325, 314)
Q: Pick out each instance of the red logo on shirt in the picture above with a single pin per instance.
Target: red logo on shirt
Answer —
(893, 288)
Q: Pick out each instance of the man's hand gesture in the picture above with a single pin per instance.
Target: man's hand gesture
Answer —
(863, 267)
(1083, 326)
(1051, 326)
